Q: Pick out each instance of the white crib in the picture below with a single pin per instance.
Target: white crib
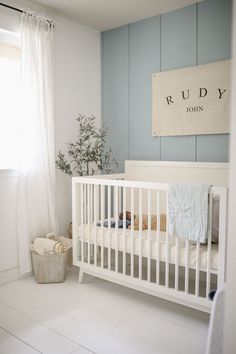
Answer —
(149, 260)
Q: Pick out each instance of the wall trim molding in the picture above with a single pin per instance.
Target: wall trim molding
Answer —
(184, 164)
(170, 41)
(4, 173)
(10, 275)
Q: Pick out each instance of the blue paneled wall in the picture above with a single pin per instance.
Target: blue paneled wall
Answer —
(190, 36)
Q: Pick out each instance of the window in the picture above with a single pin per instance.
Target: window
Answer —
(9, 103)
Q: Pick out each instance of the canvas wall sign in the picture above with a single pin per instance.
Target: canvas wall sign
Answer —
(192, 100)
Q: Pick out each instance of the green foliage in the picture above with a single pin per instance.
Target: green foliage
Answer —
(87, 155)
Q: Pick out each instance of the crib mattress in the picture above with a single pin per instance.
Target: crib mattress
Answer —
(123, 240)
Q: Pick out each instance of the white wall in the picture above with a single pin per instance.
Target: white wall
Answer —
(77, 90)
(8, 249)
(230, 313)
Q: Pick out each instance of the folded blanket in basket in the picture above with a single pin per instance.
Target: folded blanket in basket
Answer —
(188, 211)
(45, 246)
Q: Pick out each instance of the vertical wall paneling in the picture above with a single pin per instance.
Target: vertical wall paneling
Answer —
(193, 35)
(178, 49)
(144, 59)
(214, 29)
(213, 148)
(178, 148)
(178, 38)
(214, 43)
(115, 90)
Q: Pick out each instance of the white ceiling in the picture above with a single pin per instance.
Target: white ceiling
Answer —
(106, 14)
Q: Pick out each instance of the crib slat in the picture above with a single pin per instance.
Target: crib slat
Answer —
(89, 220)
(95, 215)
(132, 232)
(120, 200)
(140, 232)
(167, 246)
(91, 203)
(109, 226)
(158, 240)
(208, 280)
(149, 237)
(197, 269)
(82, 220)
(176, 263)
(222, 237)
(102, 226)
(92, 222)
(124, 229)
(116, 201)
(186, 287)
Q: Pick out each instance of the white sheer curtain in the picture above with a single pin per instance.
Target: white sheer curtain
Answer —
(36, 191)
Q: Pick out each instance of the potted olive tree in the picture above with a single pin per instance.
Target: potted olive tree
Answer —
(87, 155)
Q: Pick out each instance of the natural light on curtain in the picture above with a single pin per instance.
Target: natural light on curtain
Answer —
(10, 105)
(36, 192)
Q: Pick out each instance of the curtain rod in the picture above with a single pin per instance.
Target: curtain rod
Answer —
(21, 11)
(11, 7)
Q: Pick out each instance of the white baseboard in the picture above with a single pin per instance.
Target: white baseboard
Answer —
(10, 275)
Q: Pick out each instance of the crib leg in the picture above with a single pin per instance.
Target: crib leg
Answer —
(81, 274)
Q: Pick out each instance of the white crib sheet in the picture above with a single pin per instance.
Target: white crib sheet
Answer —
(116, 240)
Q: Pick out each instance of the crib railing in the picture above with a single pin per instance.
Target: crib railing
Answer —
(120, 256)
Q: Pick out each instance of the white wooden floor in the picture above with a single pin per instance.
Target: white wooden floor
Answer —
(94, 317)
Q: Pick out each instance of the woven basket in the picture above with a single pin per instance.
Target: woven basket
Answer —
(49, 268)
